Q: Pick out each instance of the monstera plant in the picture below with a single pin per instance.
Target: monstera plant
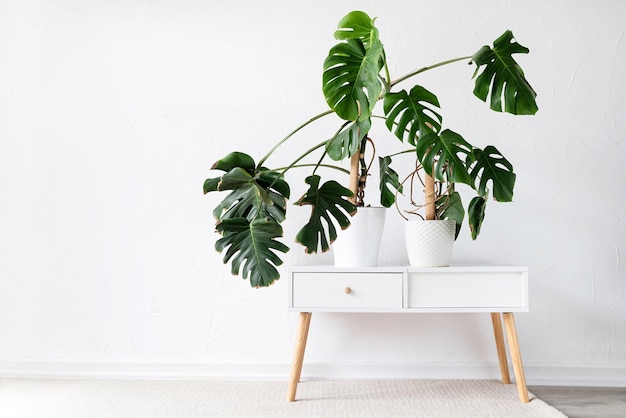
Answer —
(355, 80)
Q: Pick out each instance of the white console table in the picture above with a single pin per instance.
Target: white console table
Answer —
(499, 290)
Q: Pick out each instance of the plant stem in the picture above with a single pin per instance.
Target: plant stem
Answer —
(292, 133)
(304, 154)
(328, 142)
(421, 70)
(406, 151)
(343, 170)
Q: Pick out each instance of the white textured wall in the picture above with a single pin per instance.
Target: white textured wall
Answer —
(111, 113)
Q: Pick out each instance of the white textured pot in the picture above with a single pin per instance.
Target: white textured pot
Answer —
(358, 245)
(429, 243)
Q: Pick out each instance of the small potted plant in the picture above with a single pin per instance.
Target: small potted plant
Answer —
(356, 79)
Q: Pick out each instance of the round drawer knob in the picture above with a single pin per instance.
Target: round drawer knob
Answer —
(347, 290)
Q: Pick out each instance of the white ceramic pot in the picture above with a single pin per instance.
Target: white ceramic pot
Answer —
(429, 243)
(358, 245)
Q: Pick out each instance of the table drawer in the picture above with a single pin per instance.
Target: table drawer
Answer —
(346, 290)
(468, 290)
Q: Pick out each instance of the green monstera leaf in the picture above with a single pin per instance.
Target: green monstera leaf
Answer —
(476, 214)
(348, 141)
(252, 246)
(254, 192)
(451, 207)
(357, 25)
(350, 79)
(388, 177)
(502, 78)
(328, 203)
(245, 199)
(444, 156)
(412, 113)
(235, 159)
(232, 160)
(492, 166)
(272, 180)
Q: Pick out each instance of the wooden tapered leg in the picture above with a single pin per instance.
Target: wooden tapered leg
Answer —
(497, 331)
(516, 357)
(298, 355)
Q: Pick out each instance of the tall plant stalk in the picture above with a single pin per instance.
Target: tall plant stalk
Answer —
(430, 197)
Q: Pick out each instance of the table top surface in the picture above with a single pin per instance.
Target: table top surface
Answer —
(407, 268)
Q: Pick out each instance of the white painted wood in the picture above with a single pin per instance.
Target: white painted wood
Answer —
(467, 290)
(441, 288)
(347, 290)
(398, 289)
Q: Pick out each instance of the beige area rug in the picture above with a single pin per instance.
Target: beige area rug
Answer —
(43, 398)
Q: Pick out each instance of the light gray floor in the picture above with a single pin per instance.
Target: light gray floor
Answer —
(584, 402)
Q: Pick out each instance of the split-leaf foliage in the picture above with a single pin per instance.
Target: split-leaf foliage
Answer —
(355, 77)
